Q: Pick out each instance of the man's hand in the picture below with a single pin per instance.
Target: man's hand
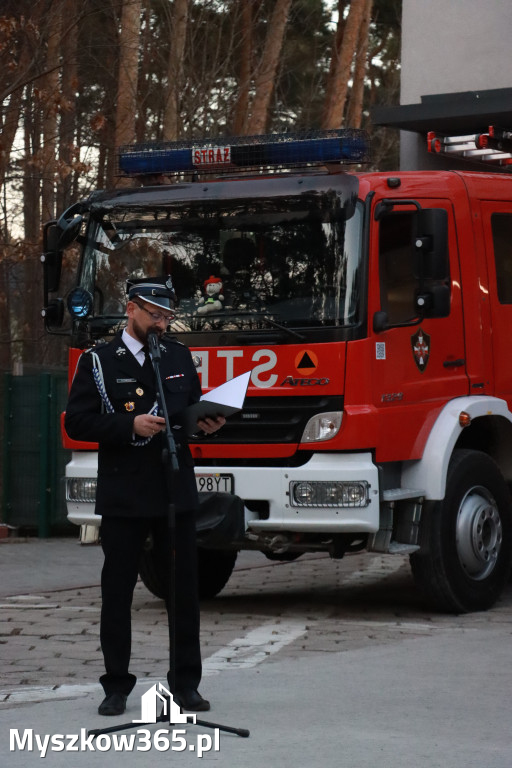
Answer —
(210, 425)
(147, 426)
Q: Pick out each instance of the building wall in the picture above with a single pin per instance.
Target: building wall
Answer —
(450, 46)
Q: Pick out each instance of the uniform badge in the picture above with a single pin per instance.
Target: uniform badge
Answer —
(139, 391)
(420, 343)
(120, 351)
(129, 406)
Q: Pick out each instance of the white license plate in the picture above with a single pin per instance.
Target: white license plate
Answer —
(214, 481)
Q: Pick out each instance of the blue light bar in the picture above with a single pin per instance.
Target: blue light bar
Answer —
(228, 154)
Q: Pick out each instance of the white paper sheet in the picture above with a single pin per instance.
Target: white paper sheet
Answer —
(225, 400)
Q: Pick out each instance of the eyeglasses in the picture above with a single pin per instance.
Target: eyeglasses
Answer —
(157, 316)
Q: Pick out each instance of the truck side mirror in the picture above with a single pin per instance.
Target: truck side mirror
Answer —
(435, 302)
(52, 264)
(53, 314)
(431, 244)
(57, 235)
(432, 262)
(52, 257)
(380, 321)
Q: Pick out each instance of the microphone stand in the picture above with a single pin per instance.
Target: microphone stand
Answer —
(171, 467)
(170, 462)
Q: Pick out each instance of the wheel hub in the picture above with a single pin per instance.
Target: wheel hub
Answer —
(479, 533)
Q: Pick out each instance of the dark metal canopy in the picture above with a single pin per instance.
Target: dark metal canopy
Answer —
(451, 113)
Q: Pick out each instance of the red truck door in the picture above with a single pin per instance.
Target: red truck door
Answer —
(497, 235)
(417, 366)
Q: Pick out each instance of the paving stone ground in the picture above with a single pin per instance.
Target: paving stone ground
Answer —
(49, 637)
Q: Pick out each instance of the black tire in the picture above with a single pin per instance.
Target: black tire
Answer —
(214, 569)
(152, 573)
(465, 551)
(215, 566)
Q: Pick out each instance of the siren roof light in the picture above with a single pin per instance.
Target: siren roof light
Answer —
(492, 148)
(229, 154)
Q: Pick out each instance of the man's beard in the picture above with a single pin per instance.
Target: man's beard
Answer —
(142, 334)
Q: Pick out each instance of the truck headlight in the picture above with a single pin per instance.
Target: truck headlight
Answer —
(308, 493)
(323, 426)
(81, 489)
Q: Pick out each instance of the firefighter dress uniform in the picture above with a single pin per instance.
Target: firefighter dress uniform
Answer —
(109, 390)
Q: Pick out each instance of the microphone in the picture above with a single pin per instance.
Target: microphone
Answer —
(154, 347)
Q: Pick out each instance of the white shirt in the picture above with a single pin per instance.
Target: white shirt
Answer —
(135, 347)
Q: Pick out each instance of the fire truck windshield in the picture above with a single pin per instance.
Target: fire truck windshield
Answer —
(287, 266)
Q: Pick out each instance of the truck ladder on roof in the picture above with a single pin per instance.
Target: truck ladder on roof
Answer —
(492, 148)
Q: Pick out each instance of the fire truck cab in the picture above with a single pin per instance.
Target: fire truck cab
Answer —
(373, 311)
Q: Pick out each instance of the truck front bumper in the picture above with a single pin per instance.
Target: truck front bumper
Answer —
(331, 493)
(83, 467)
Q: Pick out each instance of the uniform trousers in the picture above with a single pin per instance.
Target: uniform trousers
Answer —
(122, 541)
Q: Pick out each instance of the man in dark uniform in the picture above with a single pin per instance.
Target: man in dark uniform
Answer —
(112, 402)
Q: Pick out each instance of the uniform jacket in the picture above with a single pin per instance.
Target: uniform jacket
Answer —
(132, 479)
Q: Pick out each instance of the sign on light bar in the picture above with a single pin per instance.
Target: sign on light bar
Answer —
(211, 156)
(243, 152)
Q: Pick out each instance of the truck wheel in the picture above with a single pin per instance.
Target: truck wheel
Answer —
(214, 569)
(151, 572)
(215, 566)
(465, 550)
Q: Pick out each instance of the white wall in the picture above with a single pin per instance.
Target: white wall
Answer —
(450, 46)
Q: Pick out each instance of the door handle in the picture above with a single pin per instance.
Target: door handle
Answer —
(454, 363)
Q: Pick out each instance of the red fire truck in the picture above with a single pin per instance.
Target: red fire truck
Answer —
(374, 313)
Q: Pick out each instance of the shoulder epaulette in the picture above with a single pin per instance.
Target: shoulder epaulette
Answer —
(172, 339)
(95, 347)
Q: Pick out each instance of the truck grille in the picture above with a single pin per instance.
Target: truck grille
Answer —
(267, 420)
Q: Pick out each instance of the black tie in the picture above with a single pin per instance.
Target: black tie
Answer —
(147, 365)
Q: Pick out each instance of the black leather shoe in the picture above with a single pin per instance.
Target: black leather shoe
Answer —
(113, 704)
(191, 700)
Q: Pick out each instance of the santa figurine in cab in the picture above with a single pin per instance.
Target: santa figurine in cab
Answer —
(214, 297)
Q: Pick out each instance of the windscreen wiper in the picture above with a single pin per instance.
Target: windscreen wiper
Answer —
(290, 331)
(269, 320)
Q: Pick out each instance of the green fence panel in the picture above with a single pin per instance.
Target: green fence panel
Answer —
(33, 459)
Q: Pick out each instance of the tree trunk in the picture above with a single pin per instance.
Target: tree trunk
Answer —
(31, 176)
(265, 78)
(335, 99)
(14, 92)
(69, 87)
(128, 74)
(244, 68)
(336, 47)
(178, 34)
(9, 129)
(12, 112)
(107, 116)
(355, 104)
(49, 104)
(144, 78)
